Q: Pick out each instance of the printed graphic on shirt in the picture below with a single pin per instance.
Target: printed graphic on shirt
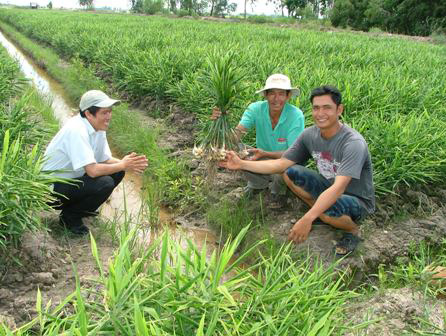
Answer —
(281, 140)
(326, 165)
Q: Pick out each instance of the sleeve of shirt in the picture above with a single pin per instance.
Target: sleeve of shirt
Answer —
(78, 149)
(296, 130)
(248, 118)
(353, 158)
(298, 152)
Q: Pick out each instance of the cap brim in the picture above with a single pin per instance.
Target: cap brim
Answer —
(294, 91)
(108, 103)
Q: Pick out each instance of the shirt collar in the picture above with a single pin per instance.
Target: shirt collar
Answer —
(87, 124)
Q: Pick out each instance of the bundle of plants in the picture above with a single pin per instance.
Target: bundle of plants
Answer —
(224, 83)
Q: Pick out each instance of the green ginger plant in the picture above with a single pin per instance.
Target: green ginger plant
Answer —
(223, 81)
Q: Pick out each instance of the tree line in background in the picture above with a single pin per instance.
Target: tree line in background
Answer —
(295, 8)
(410, 17)
(185, 7)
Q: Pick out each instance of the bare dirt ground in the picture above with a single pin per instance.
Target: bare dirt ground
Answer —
(45, 260)
(396, 312)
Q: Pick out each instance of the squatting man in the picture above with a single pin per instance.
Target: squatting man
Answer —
(277, 124)
(80, 151)
(341, 192)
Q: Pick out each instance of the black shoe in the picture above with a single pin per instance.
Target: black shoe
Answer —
(92, 214)
(79, 230)
(74, 225)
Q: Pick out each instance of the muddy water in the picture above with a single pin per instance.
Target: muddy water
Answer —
(126, 200)
(44, 84)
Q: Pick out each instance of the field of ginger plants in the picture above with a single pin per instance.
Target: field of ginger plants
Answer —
(394, 89)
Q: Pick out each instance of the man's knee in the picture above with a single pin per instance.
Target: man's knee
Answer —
(105, 184)
(118, 176)
(294, 176)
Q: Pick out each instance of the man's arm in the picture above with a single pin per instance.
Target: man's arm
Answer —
(233, 162)
(240, 132)
(130, 162)
(300, 230)
(260, 153)
(112, 160)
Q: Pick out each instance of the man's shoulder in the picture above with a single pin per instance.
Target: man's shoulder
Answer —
(310, 131)
(293, 110)
(351, 134)
(74, 126)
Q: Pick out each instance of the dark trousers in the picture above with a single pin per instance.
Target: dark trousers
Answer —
(84, 197)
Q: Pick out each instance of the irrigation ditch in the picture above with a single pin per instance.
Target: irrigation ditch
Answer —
(400, 225)
(44, 260)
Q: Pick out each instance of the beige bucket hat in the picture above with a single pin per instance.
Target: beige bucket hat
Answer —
(279, 81)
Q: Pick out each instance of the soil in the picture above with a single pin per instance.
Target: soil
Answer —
(396, 312)
(45, 261)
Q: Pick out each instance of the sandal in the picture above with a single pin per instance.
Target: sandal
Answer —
(346, 245)
(277, 202)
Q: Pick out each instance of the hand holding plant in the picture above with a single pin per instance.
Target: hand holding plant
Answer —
(223, 82)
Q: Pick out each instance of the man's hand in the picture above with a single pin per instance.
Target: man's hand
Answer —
(299, 232)
(135, 163)
(255, 154)
(232, 161)
(216, 113)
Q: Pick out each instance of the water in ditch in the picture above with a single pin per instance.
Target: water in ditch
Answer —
(126, 200)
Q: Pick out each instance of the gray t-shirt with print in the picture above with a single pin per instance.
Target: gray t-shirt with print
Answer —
(345, 154)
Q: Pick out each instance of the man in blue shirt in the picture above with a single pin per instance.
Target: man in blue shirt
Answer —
(277, 124)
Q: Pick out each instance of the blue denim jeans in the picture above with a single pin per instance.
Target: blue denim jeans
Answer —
(315, 184)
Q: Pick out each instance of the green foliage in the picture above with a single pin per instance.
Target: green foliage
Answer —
(259, 19)
(439, 38)
(170, 288)
(223, 8)
(86, 3)
(411, 17)
(10, 82)
(306, 13)
(152, 6)
(231, 217)
(24, 189)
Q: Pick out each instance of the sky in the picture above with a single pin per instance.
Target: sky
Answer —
(260, 7)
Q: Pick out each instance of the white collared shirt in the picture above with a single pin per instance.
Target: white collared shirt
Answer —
(76, 145)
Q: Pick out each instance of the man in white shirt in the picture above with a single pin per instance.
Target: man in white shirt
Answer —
(80, 151)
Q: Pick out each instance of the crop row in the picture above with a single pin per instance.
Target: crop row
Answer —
(393, 89)
(24, 189)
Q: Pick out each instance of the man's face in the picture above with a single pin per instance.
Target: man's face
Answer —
(101, 120)
(276, 99)
(325, 112)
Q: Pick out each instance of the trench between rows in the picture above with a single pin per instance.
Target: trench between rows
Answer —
(126, 202)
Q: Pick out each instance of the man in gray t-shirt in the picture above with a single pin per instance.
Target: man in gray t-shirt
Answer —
(342, 192)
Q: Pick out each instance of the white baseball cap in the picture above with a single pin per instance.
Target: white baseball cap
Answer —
(279, 81)
(96, 98)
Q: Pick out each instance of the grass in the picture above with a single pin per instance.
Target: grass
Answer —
(25, 190)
